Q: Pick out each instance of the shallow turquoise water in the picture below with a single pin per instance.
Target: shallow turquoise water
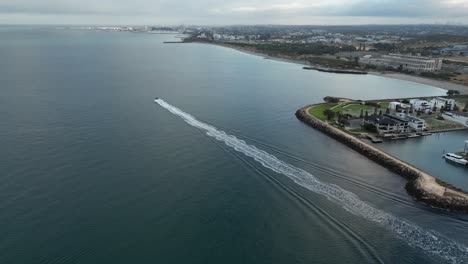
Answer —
(93, 171)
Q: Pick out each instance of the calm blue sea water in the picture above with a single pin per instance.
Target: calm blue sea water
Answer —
(426, 153)
(93, 171)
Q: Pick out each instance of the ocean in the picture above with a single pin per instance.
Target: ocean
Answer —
(219, 170)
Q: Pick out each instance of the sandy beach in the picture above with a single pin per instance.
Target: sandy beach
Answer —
(440, 84)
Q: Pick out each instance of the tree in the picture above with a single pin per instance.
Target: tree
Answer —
(329, 114)
(455, 107)
(397, 108)
(367, 114)
(453, 92)
(330, 99)
(375, 111)
(370, 127)
(465, 109)
(380, 112)
(362, 113)
(387, 111)
(342, 119)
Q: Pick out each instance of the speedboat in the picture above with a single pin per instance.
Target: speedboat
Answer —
(455, 158)
(156, 99)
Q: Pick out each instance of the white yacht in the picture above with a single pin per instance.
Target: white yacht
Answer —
(455, 158)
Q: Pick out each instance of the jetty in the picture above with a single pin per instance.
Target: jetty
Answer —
(320, 69)
(373, 139)
(421, 185)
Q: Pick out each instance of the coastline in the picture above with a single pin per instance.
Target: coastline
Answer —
(421, 185)
(400, 76)
(436, 83)
(254, 53)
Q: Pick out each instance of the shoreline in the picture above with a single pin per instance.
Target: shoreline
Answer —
(392, 75)
(421, 185)
(421, 80)
(254, 53)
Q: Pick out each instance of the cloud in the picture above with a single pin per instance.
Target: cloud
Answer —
(230, 11)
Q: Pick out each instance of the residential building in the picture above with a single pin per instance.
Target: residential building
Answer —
(421, 105)
(398, 106)
(440, 102)
(409, 63)
(412, 63)
(414, 123)
(459, 117)
(388, 124)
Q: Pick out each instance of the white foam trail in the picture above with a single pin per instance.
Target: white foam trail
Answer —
(429, 241)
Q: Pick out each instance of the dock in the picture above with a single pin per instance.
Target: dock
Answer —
(373, 139)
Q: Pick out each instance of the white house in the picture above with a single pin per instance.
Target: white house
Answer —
(414, 123)
(395, 105)
(421, 105)
(459, 117)
(440, 102)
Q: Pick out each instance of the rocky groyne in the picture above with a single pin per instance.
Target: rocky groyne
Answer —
(320, 69)
(421, 185)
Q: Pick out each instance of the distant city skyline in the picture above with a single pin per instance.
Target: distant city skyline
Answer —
(211, 12)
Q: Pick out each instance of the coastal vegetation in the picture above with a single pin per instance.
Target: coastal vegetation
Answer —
(331, 62)
(460, 63)
(445, 76)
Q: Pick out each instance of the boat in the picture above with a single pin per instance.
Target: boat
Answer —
(156, 99)
(455, 158)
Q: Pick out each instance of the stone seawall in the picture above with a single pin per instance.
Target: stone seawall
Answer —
(421, 186)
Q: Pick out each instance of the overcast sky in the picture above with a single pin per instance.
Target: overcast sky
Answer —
(224, 12)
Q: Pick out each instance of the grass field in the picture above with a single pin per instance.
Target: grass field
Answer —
(354, 109)
(435, 124)
(317, 111)
(461, 102)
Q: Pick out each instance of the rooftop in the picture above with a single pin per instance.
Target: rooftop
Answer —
(380, 119)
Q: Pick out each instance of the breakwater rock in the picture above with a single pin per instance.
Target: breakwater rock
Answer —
(320, 69)
(422, 186)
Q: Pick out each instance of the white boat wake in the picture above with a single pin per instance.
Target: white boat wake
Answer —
(429, 241)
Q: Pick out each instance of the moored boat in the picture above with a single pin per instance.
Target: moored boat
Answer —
(455, 158)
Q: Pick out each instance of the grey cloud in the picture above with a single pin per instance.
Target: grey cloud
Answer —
(229, 11)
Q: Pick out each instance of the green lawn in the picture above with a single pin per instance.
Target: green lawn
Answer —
(317, 111)
(461, 102)
(354, 109)
(358, 106)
